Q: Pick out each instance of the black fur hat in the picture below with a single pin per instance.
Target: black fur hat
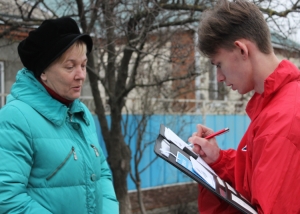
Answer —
(48, 42)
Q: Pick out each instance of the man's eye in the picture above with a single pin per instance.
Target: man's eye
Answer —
(218, 65)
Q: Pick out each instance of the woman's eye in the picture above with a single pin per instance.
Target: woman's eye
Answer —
(69, 67)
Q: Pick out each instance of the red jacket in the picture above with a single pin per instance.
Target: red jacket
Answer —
(265, 168)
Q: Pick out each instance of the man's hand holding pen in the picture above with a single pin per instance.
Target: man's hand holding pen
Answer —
(207, 149)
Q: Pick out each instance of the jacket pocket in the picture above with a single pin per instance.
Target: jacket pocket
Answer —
(63, 163)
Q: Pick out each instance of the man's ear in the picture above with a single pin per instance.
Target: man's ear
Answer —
(242, 48)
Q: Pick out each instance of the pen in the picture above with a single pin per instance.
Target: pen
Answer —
(214, 135)
(217, 133)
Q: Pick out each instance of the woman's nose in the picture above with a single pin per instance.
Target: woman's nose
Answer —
(80, 73)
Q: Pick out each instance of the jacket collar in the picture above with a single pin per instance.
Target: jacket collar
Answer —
(29, 90)
(285, 72)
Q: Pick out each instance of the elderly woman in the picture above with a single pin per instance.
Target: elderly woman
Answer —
(51, 161)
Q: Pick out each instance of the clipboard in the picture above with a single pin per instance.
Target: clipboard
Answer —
(170, 147)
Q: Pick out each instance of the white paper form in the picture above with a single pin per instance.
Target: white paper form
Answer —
(203, 163)
(230, 188)
(203, 173)
(170, 135)
(243, 204)
(165, 148)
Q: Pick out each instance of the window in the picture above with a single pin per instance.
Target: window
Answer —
(2, 94)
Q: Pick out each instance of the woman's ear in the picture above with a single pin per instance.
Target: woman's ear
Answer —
(242, 48)
(43, 77)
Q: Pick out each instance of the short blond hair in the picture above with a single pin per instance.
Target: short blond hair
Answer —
(81, 47)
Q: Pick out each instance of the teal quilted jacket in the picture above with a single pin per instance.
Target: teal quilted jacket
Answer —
(50, 159)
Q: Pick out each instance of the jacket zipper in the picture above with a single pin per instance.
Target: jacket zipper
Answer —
(95, 150)
(63, 163)
(74, 153)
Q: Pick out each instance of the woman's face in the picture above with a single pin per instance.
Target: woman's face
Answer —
(66, 75)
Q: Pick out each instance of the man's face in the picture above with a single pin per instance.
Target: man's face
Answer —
(234, 70)
(66, 77)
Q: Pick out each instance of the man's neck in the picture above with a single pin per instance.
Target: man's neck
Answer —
(263, 66)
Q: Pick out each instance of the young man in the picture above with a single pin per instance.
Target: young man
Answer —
(265, 168)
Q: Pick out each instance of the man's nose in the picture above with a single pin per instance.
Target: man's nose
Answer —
(220, 76)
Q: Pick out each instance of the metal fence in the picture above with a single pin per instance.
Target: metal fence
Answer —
(160, 173)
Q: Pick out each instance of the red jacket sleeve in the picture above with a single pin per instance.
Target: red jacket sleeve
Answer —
(209, 203)
(225, 166)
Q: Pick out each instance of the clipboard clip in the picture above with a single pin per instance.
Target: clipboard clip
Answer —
(190, 152)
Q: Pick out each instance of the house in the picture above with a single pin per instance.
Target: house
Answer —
(10, 36)
(205, 94)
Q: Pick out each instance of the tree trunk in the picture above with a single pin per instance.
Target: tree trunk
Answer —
(119, 154)
(120, 166)
(141, 200)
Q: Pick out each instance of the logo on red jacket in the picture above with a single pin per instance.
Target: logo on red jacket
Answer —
(244, 149)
